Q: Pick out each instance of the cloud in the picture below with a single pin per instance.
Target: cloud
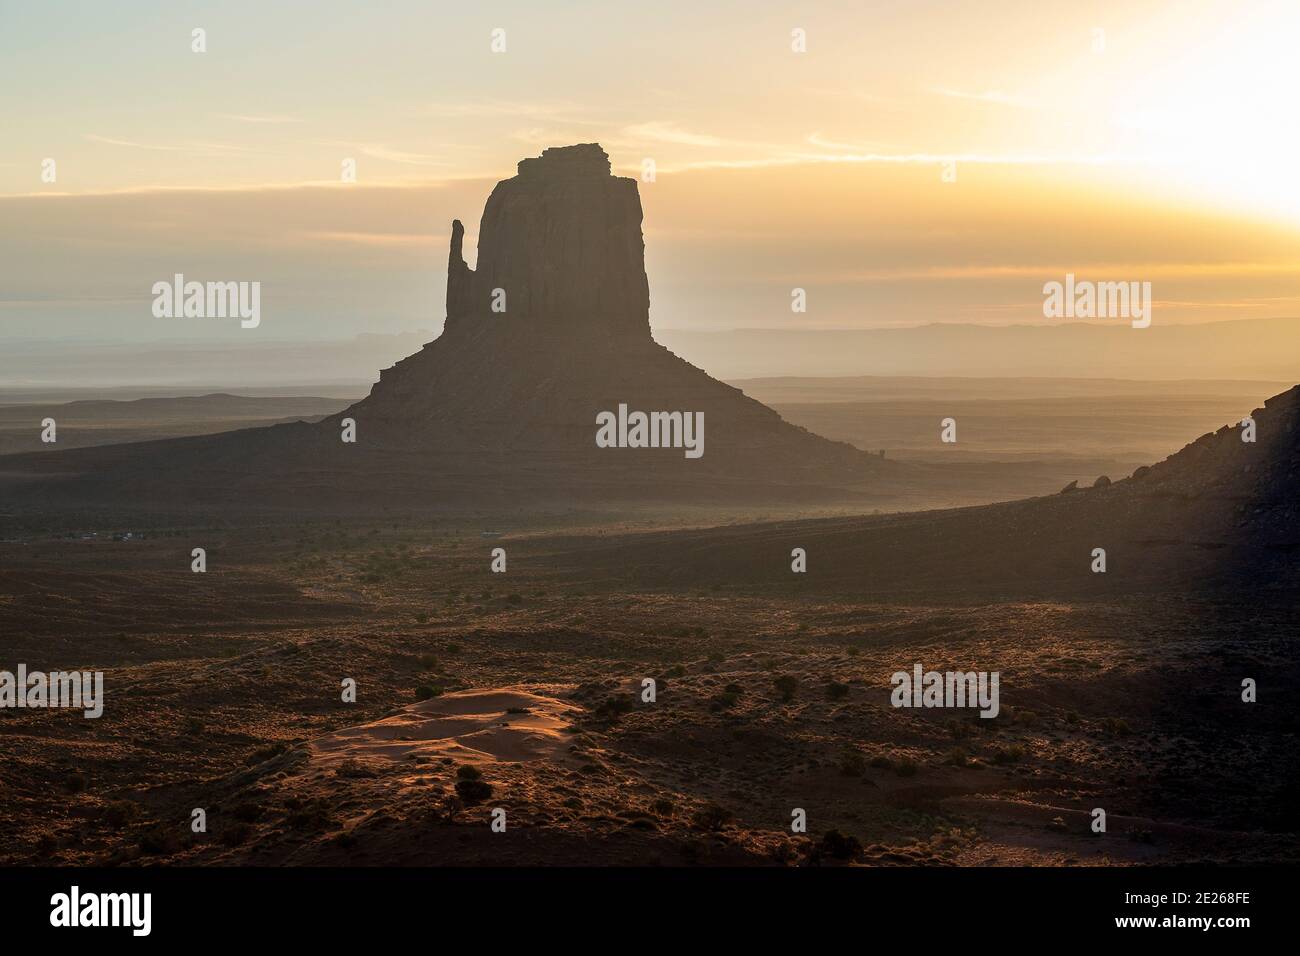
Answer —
(199, 147)
(380, 151)
(670, 133)
(243, 118)
(483, 108)
(987, 96)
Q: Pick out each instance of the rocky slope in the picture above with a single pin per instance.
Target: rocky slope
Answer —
(1220, 513)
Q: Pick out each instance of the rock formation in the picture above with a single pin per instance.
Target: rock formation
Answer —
(562, 241)
(550, 330)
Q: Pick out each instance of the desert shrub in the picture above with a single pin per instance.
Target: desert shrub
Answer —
(236, 835)
(662, 807)
(837, 691)
(955, 757)
(711, 817)
(467, 771)
(427, 691)
(355, 770)
(311, 815)
(448, 805)
(852, 764)
(611, 708)
(247, 812)
(882, 761)
(959, 729)
(729, 696)
(1026, 718)
(266, 753)
(120, 812)
(905, 766)
(473, 791)
(786, 685)
(1118, 726)
(839, 846)
(158, 841)
(1009, 754)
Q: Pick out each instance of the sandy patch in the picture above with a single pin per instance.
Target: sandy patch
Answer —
(503, 724)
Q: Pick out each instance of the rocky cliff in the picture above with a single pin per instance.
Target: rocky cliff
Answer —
(560, 253)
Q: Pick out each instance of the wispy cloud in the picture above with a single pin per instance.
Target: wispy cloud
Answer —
(570, 112)
(387, 153)
(987, 96)
(662, 132)
(260, 119)
(192, 147)
(816, 139)
(376, 238)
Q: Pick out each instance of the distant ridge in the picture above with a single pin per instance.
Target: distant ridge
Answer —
(1220, 517)
(1256, 349)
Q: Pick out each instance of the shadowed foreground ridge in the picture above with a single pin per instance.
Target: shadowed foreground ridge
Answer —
(502, 407)
(1222, 512)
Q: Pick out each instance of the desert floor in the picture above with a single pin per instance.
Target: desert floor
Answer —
(224, 693)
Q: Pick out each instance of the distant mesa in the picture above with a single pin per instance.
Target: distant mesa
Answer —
(551, 328)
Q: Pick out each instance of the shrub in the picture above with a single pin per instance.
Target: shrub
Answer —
(711, 817)
(236, 834)
(158, 841)
(852, 764)
(612, 708)
(786, 685)
(355, 770)
(473, 791)
(120, 812)
(1011, 754)
(838, 846)
(262, 754)
(837, 691)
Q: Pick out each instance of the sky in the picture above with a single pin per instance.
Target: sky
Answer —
(916, 162)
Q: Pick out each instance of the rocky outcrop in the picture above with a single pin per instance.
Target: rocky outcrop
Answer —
(503, 406)
(560, 253)
(561, 249)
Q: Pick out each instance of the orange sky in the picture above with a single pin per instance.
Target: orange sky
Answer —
(1128, 141)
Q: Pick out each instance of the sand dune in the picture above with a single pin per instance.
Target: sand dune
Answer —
(504, 724)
